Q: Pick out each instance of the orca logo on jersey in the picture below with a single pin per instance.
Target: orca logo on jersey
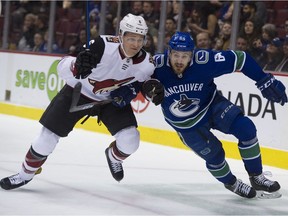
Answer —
(185, 106)
(108, 85)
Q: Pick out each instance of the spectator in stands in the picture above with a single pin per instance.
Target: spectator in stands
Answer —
(66, 4)
(261, 15)
(169, 9)
(225, 11)
(41, 21)
(176, 10)
(44, 46)
(283, 65)
(137, 8)
(223, 40)
(167, 38)
(203, 41)
(94, 16)
(257, 43)
(38, 41)
(204, 19)
(194, 19)
(94, 32)
(249, 12)
(250, 33)
(170, 26)
(150, 46)
(241, 44)
(274, 52)
(269, 32)
(76, 48)
(150, 15)
(21, 9)
(152, 19)
(258, 51)
(114, 26)
(26, 42)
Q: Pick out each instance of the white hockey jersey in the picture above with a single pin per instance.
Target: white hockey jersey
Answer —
(112, 71)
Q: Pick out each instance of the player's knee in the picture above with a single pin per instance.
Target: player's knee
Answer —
(128, 140)
(216, 157)
(243, 128)
(45, 142)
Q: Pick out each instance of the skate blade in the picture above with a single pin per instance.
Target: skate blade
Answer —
(38, 171)
(267, 195)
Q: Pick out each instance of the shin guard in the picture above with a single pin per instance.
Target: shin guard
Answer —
(33, 161)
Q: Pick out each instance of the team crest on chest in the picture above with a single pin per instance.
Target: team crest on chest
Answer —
(184, 106)
(108, 84)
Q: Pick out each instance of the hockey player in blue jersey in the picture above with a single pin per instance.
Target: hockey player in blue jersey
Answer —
(193, 106)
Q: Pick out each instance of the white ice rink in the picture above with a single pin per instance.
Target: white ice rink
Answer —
(158, 180)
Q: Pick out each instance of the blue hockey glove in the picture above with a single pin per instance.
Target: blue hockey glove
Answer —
(153, 90)
(272, 89)
(124, 95)
(85, 61)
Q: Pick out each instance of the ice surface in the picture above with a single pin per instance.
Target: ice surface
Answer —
(158, 180)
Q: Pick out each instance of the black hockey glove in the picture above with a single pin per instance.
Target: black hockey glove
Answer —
(153, 90)
(272, 89)
(85, 61)
(124, 95)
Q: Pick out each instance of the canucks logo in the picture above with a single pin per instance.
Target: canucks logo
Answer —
(185, 106)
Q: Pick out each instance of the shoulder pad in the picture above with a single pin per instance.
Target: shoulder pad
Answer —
(111, 39)
(201, 56)
(158, 60)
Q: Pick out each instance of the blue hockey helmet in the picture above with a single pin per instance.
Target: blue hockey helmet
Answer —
(181, 41)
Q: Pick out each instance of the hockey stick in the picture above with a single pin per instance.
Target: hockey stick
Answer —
(75, 98)
(87, 26)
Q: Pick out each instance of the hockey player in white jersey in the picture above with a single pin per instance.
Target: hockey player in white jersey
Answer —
(110, 63)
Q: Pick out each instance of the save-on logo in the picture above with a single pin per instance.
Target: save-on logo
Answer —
(40, 80)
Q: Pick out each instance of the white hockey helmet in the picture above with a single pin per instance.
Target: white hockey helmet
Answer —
(134, 24)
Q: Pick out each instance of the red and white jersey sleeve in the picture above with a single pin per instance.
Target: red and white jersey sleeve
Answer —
(113, 70)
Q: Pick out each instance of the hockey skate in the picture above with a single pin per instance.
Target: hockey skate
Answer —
(15, 181)
(266, 189)
(114, 166)
(241, 189)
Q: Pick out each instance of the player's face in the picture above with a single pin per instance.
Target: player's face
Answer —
(179, 60)
(132, 43)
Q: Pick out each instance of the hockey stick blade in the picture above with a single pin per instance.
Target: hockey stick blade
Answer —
(75, 99)
(76, 95)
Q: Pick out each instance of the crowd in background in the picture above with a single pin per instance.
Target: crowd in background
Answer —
(263, 26)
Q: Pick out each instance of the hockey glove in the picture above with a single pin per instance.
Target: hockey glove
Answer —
(272, 89)
(153, 90)
(85, 61)
(124, 95)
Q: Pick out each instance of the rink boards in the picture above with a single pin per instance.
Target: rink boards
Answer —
(30, 81)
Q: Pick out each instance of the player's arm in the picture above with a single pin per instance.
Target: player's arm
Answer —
(88, 59)
(271, 88)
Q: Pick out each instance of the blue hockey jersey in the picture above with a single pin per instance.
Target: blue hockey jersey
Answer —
(188, 98)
